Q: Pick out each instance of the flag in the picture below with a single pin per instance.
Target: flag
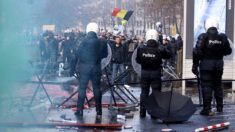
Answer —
(173, 30)
(124, 22)
(115, 11)
(121, 14)
(128, 15)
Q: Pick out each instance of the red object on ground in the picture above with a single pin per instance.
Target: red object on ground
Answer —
(27, 124)
(213, 127)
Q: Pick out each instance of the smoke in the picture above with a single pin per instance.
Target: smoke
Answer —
(15, 17)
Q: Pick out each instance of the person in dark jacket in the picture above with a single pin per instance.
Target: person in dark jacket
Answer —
(150, 58)
(173, 52)
(49, 49)
(118, 57)
(179, 42)
(90, 53)
(167, 43)
(43, 46)
(68, 47)
(208, 55)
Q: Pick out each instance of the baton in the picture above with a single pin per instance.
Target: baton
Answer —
(199, 90)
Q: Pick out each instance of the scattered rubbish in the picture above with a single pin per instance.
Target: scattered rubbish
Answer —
(122, 117)
(168, 130)
(64, 117)
(128, 127)
(129, 115)
(127, 86)
(62, 120)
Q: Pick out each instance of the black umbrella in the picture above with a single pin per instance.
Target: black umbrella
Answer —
(170, 106)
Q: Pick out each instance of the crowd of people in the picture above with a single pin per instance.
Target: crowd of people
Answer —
(60, 51)
(78, 53)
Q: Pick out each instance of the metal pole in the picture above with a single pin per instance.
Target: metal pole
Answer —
(233, 83)
(184, 49)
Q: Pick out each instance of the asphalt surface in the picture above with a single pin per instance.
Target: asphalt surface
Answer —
(41, 112)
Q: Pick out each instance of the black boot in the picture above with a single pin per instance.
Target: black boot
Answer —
(220, 109)
(206, 112)
(153, 117)
(99, 114)
(219, 106)
(142, 112)
(99, 110)
(79, 113)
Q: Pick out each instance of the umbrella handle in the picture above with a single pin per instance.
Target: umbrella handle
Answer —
(169, 106)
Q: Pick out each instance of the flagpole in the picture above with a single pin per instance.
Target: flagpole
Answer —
(116, 19)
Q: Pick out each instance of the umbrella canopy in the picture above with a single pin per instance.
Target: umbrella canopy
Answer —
(170, 106)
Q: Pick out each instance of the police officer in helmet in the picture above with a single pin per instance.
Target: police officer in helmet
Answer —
(90, 53)
(208, 55)
(150, 56)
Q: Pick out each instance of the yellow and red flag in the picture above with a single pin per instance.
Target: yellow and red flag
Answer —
(122, 14)
(115, 11)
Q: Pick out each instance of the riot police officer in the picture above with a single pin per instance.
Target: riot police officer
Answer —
(90, 53)
(208, 55)
(150, 57)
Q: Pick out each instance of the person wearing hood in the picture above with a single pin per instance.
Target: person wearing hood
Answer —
(90, 53)
(150, 57)
(208, 55)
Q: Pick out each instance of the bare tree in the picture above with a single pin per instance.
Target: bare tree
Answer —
(68, 13)
(166, 11)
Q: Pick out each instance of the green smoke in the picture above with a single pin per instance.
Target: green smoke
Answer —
(15, 16)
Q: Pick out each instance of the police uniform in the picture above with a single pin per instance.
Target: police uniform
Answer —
(90, 53)
(208, 55)
(150, 58)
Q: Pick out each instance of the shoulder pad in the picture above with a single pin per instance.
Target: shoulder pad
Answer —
(223, 35)
(202, 36)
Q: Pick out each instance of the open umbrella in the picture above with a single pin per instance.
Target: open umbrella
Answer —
(170, 106)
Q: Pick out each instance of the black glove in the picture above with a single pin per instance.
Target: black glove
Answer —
(195, 69)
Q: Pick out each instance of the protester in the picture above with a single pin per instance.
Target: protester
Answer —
(118, 57)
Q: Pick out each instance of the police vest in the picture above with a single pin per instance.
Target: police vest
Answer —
(151, 58)
(214, 47)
